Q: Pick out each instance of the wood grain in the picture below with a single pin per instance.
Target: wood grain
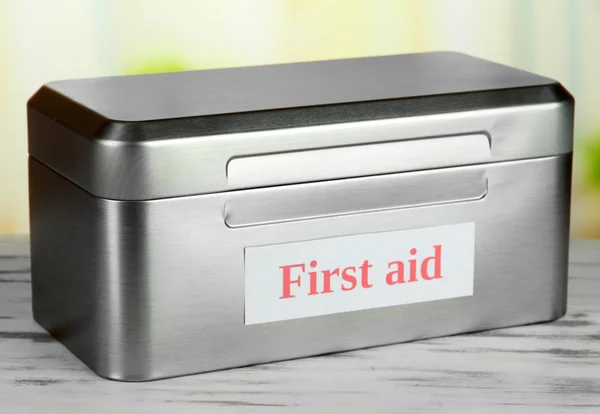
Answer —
(544, 368)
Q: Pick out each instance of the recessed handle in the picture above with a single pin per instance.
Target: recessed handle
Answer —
(357, 160)
(354, 196)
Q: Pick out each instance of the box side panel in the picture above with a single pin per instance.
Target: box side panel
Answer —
(80, 275)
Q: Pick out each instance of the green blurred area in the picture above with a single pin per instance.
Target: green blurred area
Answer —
(589, 150)
(158, 65)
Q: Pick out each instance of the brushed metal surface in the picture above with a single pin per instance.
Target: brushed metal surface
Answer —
(268, 87)
(197, 165)
(148, 290)
(357, 160)
(354, 196)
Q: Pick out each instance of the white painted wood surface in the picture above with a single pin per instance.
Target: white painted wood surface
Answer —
(545, 368)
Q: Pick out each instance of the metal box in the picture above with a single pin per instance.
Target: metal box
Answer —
(197, 221)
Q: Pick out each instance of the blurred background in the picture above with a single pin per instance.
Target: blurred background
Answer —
(43, 40)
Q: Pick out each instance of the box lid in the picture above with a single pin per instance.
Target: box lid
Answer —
(164, 135)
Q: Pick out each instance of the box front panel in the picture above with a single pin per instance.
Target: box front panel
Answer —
(196, 269)
(187, 263)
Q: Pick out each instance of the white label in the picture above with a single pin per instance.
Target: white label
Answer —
(350, 273)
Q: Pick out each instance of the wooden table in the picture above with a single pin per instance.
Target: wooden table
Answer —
(546, 368)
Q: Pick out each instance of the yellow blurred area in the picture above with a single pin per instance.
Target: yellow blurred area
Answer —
(44, 40)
